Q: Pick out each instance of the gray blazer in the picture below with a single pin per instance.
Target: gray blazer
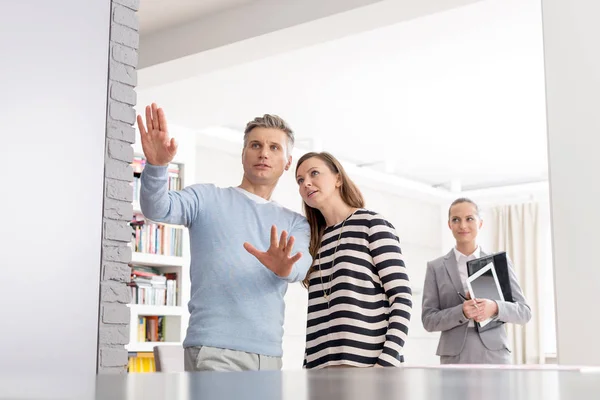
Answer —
(442, 308)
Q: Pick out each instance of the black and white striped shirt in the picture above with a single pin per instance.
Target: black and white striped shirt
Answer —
(366, 322)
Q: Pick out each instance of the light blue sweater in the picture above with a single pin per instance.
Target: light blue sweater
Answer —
(236, 302)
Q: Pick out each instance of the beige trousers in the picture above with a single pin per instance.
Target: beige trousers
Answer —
(204, 358)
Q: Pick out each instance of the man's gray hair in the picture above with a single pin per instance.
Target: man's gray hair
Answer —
(273, 122)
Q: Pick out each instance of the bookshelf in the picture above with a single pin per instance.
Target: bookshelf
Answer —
(156, 310)
(160, 268)
(156, 260)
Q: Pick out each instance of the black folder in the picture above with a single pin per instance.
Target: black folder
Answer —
(502, 272)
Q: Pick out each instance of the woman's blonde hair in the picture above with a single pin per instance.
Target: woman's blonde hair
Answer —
(349, 192)
(461, 200)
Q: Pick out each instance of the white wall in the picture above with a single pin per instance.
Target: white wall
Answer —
(571, 42)
(417, 224)
(53, 80)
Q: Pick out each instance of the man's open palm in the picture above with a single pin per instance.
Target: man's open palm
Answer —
(277, 257)
(158, 147)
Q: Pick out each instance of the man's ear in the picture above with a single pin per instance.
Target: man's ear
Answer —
(289, 163)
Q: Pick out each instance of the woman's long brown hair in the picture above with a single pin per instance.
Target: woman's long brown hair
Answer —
(349, 192)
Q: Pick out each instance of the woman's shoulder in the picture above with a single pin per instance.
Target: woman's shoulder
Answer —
(372, 218)
(439, 262)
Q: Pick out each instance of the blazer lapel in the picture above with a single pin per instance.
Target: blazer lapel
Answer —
(452, 268)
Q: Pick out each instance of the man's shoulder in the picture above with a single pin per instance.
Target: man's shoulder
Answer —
(294, 218)
(288, 212)
(211, 189)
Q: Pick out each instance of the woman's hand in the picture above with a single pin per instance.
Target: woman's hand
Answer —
(487, 309)
(471, 309)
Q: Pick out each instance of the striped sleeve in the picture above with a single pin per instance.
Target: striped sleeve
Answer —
(384, 247)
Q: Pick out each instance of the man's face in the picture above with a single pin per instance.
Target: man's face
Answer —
(265, 156)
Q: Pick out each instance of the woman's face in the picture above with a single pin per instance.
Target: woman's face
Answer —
(317, 184)
(464, 222)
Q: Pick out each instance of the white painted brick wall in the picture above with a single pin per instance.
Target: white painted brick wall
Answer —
(121, 112)
(120, 150)
(116, 253)
(127, 17)
(117, 230)
(124, 54)
(119, 210)
(114, 271)
(118, 170)
(114, 334)
(124, 35)
(114, 292)
(114, 314)
(112, 357)
(120, 72)
(123, 93)
(114, 326)
(121, 131)
(132, 4)
(118, 190)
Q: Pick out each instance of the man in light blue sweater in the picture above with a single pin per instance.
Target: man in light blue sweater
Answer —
(236, 305)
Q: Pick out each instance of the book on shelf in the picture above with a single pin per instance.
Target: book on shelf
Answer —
(151, 328)
(148, 236)
(152, 238)
(150, 287)
(154, 282)
(141, 362)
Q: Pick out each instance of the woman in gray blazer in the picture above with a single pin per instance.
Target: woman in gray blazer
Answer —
(444, 309)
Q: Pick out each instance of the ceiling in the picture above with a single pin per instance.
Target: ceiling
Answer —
(156, 15)
(456, 96)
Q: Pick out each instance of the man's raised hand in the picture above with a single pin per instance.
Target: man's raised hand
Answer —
(158, 147)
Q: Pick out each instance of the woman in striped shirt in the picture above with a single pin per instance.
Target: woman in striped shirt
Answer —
(359, 298)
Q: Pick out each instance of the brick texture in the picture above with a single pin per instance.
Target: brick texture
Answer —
(114, 320)
(114, 271)
(121, 131)
(115, 314)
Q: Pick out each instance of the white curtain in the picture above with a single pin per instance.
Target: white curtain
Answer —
(516, 230)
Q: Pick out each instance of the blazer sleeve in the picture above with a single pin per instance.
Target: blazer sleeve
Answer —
(433, 317)
(518, 311)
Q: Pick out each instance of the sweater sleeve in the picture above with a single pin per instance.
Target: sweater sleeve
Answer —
(159, 204)
(384, 247)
